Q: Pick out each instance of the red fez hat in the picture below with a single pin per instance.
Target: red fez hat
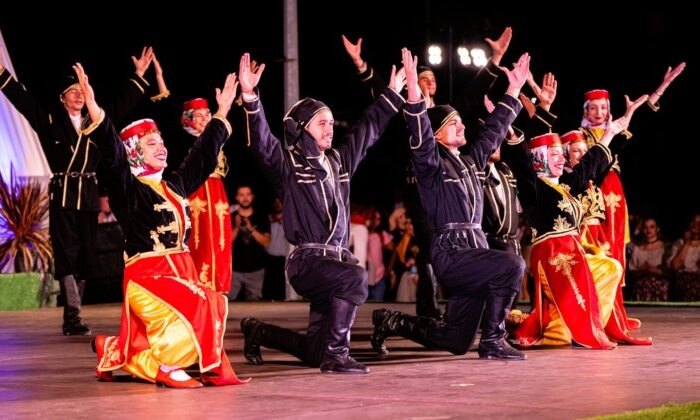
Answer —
(195, 104)
(596, 94)
(139, 129)
(544, 140)
(573, 136)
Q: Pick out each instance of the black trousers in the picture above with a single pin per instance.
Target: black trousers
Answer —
(319, 279)
(73, 239)
(469, 276)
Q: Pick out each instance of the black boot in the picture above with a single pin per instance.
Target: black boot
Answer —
(388, 323)
(426, 292)
(72, 323)
(493, 343)
(256, 334)
(337, 357)
(81, 288)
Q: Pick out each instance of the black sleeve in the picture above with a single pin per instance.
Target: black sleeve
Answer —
(203, 156)
(373, 81)
(126, 100)
(592, 165)
(515, 156)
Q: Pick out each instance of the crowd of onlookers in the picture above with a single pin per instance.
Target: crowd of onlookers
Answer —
(658, 268)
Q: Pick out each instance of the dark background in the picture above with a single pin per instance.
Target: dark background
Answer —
(625, 55)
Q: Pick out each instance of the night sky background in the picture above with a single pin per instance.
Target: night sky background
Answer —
(625, 55)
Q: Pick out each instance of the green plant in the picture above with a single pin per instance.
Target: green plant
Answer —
(23, 210)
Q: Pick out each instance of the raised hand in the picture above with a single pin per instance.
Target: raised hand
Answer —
(248, 77)
(500, 46)
(633, 105)
(548, 91)
(671, 74)
(614, 128)
(527, 104)
(162, 87)
(225, 96)
(410, 65)
(143, 62)
(354, 51)
(518, 75)
(397, 80)
(88, 92)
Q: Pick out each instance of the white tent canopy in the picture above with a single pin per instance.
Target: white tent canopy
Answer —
(19, 144)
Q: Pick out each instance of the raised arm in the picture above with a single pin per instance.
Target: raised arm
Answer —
(424, 154)
(368, 76)
(133, 90)
(547, 93)
(670, 76)
(355, 53)
(496, 126)
(163, 91)
(266, 147)
(202, 158)
(24, 102)
(373, 122)
(500, 45)
(113, 159)
(596, 161)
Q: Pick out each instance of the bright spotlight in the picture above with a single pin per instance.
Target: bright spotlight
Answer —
(464, 58)
(434, 55)
(479, 57)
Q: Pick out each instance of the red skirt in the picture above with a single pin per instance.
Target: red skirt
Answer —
(210, 239)
(560, 268)
(168, 278)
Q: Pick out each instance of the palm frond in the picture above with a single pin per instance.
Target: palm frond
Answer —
(23, 209)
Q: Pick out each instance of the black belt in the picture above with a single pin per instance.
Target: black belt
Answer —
(325, 247)
(459, 226)
(75, 174)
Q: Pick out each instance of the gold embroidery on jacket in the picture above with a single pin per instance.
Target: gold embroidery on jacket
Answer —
(221, 165)
(560, 224)
(565, 205)
(170, 227)
(157, 245)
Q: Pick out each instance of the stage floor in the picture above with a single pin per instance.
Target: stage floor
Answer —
(44, 374)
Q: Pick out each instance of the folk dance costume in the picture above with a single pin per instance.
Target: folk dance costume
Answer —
(615, 225)
(501, 208)
(210, 241)
(607, 271)
(73, 191)
(169, 318)
(557, 258)
(450, 187)
(315, 189)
